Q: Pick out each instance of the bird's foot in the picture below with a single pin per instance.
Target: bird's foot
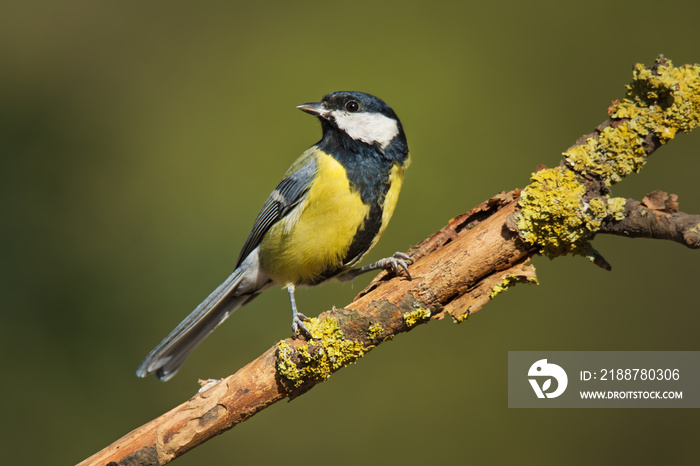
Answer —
(399, 261)
(298, 325)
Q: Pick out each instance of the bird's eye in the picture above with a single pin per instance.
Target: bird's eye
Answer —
(352, 106)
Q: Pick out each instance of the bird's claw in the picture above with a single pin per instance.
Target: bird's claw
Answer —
(298, 324)
(399, 261)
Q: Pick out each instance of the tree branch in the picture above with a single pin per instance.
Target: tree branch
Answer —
(461, 267)
(656, 217)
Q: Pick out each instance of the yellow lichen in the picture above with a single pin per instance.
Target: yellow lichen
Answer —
(374, 331)
(319, 358)
(616, 207)
(693, 234)
(595, 213)
(660, 101)
(285, 365)
(663, 100)
(511, 280)
(553, 215)
(414, 317)
(670, 95)
(616, 153)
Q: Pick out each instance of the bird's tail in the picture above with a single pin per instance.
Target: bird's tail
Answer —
(166, 358)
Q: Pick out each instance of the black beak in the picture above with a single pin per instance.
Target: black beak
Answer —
(313, 108)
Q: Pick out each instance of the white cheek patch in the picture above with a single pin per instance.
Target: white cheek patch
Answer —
(372, 128)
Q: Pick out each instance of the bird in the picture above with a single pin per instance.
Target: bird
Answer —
(327, 213)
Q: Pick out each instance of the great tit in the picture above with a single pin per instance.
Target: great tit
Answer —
(328, 211)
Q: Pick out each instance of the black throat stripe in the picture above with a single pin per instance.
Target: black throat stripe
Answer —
(368, 172)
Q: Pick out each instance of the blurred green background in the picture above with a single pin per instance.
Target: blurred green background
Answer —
(139, 139)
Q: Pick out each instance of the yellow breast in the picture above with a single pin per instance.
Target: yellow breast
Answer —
(392, 197)
(314, 238)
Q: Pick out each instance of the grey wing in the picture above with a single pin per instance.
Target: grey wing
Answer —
(168, 356)
(290, 192)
